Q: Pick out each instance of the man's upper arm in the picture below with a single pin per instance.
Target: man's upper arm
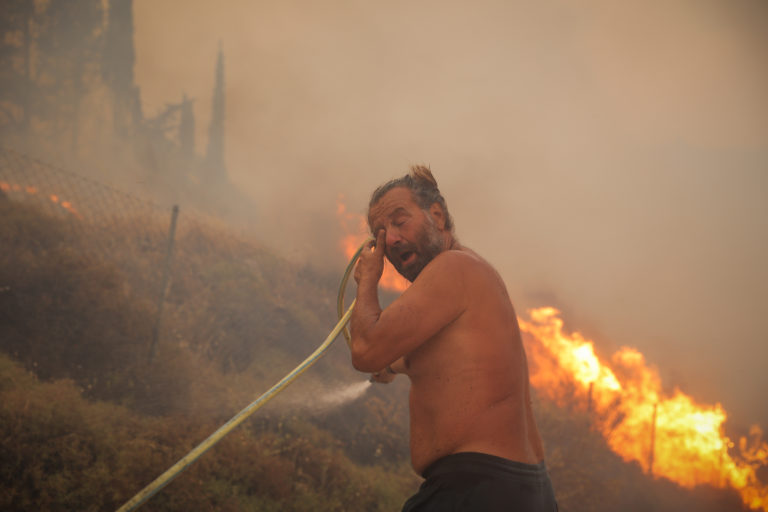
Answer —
(435, 299)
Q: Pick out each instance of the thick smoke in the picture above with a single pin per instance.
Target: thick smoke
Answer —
(609, 159)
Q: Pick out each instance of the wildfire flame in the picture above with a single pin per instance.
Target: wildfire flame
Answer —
(669, 436)
(356, 230)
(34, 191)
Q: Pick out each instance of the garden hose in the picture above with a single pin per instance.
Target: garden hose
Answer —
(186, 461)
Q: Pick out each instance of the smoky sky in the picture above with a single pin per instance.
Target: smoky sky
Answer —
(609, 158)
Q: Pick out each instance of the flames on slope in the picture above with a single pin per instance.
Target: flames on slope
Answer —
(34, 191)
(355, 232)
(669, 436)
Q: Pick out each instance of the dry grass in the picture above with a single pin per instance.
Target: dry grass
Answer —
(86, 420)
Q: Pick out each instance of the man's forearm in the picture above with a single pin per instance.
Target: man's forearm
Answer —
(365, 314)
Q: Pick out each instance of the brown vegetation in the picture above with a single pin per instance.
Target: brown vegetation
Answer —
(86, 420)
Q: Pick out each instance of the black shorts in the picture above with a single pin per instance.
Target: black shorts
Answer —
(484, 483)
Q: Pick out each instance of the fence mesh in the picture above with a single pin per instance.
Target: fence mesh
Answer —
(136, 353)
(224, 297)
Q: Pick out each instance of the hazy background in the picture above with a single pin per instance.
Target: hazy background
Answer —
(609, 158)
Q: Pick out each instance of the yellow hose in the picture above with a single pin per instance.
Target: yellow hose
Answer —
(174, 471)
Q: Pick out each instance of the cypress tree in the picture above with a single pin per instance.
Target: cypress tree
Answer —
(117, 67)
(69, 42)
(214, 157)
(15, 66)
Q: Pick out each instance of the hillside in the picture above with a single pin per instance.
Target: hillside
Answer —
(88, 419)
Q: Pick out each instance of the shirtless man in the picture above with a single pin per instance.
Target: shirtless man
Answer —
(454, 333)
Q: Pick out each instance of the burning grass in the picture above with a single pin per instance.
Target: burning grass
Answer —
(668, 435)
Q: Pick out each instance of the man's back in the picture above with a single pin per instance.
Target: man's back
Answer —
(469, 382)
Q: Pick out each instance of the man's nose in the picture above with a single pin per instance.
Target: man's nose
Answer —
(393, 237)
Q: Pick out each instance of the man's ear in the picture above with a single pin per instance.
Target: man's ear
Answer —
(438, 215)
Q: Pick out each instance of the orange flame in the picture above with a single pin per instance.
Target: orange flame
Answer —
(670, 436)
(33, 190)
(355, 235)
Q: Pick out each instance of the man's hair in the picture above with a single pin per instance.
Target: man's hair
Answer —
(422, 185)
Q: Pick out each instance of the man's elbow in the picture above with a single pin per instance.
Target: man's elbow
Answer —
(362, 360)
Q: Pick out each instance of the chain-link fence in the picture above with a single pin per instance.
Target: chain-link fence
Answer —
(144, 328)
(196, 289)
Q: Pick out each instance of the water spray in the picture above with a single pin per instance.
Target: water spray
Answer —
(161, 481)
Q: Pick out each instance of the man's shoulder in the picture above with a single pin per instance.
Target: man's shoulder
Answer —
(458, 262)
(451, 257)
(470, 268)
(463, 257)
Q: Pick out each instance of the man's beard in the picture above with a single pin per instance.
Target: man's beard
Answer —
(429, 244)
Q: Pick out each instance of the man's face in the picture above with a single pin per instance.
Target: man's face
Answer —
(412, 237)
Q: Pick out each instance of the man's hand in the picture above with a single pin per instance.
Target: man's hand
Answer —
(371, 263)
(389, 373)
(384, 376)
